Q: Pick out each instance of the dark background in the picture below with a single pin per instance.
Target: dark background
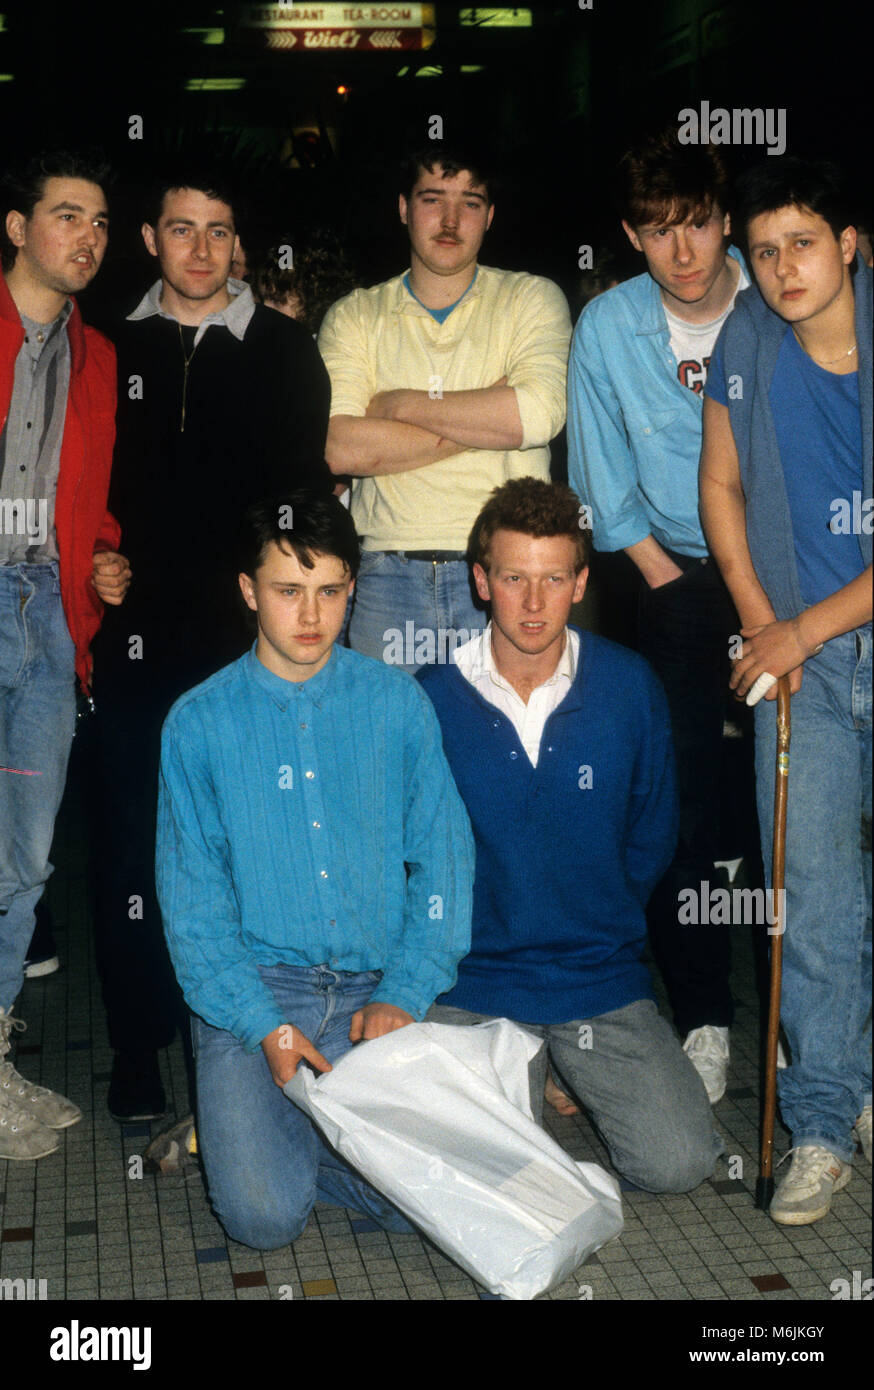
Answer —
(556, 102)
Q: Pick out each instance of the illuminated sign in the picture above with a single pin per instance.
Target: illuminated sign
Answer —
(362, 28)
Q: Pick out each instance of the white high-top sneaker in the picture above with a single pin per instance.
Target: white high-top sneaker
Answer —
(51, 1110)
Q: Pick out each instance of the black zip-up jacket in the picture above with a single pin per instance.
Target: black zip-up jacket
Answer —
(197, 441)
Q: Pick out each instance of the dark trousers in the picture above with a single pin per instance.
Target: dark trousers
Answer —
(143, 1001)
(684, 631)
(144, 1004)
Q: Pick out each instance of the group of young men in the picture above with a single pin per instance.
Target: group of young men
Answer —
(343, 850)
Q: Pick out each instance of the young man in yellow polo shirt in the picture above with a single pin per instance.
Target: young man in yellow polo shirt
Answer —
(446, 381)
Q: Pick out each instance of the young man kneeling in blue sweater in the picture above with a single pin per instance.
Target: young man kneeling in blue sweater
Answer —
(560, 745)
(308, 830)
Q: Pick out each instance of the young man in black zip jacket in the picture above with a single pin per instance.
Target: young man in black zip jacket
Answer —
(221, 401)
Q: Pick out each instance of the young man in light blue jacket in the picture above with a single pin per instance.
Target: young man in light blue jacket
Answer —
(637, 369)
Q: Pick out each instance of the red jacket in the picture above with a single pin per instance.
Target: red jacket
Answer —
(82, 523)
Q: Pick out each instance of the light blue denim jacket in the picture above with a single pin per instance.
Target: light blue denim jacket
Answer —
(634, 431)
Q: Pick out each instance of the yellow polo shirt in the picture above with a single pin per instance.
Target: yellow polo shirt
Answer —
(508, 324)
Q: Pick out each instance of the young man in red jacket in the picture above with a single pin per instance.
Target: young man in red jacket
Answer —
(58, 557)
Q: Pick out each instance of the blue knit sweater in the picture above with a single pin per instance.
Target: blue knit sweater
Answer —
(567, 853)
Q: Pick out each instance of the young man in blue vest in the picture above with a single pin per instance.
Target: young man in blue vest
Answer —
(560, 744)
(786, 489)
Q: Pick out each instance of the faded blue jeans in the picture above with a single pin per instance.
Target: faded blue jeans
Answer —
(826, 1004)
(643, 1094)
(37, 721)
(266, 1163)
(412, 613)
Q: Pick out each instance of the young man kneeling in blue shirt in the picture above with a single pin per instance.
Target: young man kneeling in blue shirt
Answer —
(560, 744)
(314, 870)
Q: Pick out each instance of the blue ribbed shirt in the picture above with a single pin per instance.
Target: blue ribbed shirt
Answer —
(311, 823)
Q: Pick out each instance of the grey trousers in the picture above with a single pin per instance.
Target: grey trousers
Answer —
(642, 1093)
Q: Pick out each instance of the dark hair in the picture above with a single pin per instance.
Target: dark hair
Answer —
(24, 184)
(535, 508)
(788, 181)
(211, 182)
(452, 159)
(664, 183)
(320, 275)
(304, 522)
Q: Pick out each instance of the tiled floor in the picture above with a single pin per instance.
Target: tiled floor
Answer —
(84, 1220)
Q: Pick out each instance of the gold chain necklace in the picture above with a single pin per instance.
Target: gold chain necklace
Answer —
(825, 361)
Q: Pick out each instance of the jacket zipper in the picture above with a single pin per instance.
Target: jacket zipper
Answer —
(186, 358)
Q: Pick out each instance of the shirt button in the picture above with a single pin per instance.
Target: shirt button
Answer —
(303, 726)
(332, 922)
(311, 775)
(514, 754)
(324, 873)
(647, 430)
(550, 749)
(317, 825)
(29, 424)
(497, 724)
(40, 337)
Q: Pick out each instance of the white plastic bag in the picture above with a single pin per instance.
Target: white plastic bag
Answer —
(438, 1119)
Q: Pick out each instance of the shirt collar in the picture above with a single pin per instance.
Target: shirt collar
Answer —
(477, 664)
(283, 692)
(235, 316)
(406, 301)
(50, 330)
(653, 318)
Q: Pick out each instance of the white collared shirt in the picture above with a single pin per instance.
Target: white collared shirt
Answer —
(235, 316)
(475, 662)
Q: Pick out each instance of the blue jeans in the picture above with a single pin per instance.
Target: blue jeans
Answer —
(412, 613)
(37, 721)
(266, 1163)
(642, 1092)
(826, 1003)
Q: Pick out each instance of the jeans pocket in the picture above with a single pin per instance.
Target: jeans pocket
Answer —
(371, 561)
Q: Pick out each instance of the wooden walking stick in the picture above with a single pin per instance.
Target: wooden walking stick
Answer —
(765, 1183)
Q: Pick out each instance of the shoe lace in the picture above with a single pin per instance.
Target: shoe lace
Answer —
(8, 1025)
(705, 1042)
(807, 1158)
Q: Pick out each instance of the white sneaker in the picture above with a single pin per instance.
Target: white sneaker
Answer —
(805, 1194)
(707, 1050)
(862, 1131)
